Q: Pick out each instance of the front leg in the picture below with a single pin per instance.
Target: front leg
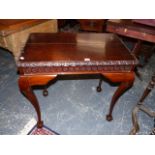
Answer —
(121, 89)
(126, 80)
(25, 85)
(26, 89)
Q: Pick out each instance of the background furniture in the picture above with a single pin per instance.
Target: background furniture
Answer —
(93, 25)
(61, 23)
(148, 22)
(47, 56)
(133, 29)
(141, 107)
(14, 32)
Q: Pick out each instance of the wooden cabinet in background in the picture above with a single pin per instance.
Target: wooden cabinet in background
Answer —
(14, 32)
(95, 25)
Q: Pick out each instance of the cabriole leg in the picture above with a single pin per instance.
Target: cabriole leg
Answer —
(26, 89)
(121, 89)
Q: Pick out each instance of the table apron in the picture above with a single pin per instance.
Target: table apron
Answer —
(113, 77)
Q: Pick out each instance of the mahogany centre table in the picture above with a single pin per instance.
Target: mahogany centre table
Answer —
(46, 56)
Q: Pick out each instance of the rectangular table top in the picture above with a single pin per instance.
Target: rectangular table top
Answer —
(75, 49)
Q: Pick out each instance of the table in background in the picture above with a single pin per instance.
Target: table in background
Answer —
(140, 30)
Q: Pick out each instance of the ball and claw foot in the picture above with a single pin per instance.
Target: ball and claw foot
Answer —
(45, 92)
(109, 117)
(40, 124)
(134, 131)
(98, 89)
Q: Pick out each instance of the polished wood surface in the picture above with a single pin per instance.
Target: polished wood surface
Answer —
(75, 47)
(49, 55)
